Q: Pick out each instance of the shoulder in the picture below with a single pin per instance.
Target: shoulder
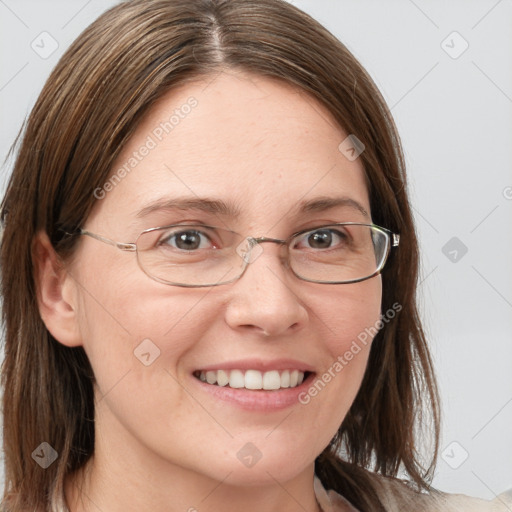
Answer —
(396, 494)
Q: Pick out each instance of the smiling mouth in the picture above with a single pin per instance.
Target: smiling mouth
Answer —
(272, 380)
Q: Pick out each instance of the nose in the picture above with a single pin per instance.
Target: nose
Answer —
(265, 299)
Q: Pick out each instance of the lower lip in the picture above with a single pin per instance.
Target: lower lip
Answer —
(257, 400)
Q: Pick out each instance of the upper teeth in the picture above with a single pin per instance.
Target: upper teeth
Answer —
(253, 379)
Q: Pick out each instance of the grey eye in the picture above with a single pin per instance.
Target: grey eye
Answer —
(321, 239)
(189, 240)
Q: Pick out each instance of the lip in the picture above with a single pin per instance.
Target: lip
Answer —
(257, 400)
(260, 365)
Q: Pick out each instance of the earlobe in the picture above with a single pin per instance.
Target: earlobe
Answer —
(54, 288)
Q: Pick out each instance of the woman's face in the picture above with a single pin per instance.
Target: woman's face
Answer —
(260, 158)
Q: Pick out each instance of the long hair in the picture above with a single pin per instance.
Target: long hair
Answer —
(90, 106)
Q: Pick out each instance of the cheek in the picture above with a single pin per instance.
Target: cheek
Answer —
(350, 324)
(350, 315)
(133, 325)
(135, 339)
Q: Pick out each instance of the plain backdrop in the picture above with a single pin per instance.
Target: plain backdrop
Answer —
(445, 69)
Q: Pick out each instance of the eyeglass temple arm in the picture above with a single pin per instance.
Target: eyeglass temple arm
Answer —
(395, 240)
(119, 245)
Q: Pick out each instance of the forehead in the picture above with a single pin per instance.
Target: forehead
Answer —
(255, 142)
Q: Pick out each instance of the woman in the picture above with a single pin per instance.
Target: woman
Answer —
(208, 276)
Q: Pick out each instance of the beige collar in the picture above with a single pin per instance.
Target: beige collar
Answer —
(331, 501)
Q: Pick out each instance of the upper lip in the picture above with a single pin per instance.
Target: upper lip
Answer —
(260, 365)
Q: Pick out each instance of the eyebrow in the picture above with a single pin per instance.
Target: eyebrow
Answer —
(219, 207)
(322, 204)
(214, 206)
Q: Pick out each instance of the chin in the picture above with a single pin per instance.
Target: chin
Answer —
(250, 466)
(261, 474)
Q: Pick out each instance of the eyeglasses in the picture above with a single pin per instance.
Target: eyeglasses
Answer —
(195, 255)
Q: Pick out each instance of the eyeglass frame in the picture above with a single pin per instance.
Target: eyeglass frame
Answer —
(393, 241)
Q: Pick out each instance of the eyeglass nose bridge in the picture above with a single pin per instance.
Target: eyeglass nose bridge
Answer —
(247, 248)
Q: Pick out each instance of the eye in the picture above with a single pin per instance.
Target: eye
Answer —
(323, 238)
(186, 240)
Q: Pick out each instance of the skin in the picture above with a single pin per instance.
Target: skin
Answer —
(161, 443)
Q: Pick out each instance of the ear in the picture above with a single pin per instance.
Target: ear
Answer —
(56, 293)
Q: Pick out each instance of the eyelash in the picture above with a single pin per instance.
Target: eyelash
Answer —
(197, 231)
(167, 237)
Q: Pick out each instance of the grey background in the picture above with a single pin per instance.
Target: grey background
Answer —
(453, 110)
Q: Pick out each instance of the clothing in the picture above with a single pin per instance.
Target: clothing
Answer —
(398, 496)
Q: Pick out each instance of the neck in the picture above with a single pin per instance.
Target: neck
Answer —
(125, 475)
(95, 489)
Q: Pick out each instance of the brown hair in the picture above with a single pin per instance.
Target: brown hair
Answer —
(90, 106)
